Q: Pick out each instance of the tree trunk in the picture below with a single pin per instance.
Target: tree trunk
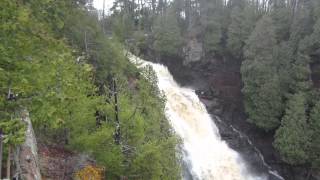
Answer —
(85, 41)
(153, 5)
(9, 162)
(103, 15)
(0, 152)
(188, 12)
(66, 135)
(116, 109)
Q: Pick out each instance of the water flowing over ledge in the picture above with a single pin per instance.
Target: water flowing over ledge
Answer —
(207, 155)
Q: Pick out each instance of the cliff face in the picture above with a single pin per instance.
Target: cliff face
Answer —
(218, 83)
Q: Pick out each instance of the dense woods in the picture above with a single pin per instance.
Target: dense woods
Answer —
(64, 62)
(276, 42)
(82, 93)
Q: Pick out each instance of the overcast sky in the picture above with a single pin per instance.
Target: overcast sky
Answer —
(99, 4)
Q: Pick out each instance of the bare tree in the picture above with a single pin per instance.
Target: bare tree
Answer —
(116, 109)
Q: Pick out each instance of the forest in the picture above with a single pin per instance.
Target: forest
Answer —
(81, 91)
(64, 62)
(276, 43)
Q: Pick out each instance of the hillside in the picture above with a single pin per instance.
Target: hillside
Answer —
(82, 94)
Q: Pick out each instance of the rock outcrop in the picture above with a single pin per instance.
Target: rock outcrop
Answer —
(26, 155)
(193, 51)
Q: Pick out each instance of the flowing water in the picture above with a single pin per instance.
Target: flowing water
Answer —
(207, 156)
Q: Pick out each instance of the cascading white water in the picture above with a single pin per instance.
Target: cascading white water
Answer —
(209, 156)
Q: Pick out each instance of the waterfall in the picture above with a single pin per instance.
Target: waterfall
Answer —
(207, 156)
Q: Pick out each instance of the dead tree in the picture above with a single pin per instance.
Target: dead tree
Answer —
(10, 97)
(117, 135)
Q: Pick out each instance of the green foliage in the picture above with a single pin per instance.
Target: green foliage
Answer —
(281, 20)
(301, 26)
(57, 59)
(212, 37)
(14, 131)
(314, 149)
(281, 56)
(261, 41)
(278, 45)
(236, 41)
(141, 42)
(56, 56)
(292, 138)
(262, 86)
(123, 26)
(309, 45)
(168, 38)
(148, 132)
(149, 160)
(300, 73)
(100, 144)
(141, 111)
(241, 25)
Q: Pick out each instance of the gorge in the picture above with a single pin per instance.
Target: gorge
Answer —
(211, 89)
(206, 156)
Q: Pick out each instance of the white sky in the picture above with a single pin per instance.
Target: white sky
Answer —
(98, 4)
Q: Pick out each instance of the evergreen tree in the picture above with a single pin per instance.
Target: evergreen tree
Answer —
(56, 62)
(168, 39)
(282, 57)
(235, 37)
(213, 36)
(282, 19)
(211, 18)
(242, 24)
(262, 86)
(314, 149)
(292, 138)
